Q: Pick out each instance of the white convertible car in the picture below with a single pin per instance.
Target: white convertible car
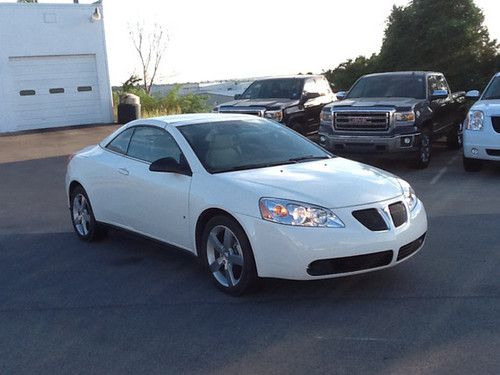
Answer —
(249, 196)
(482, 127)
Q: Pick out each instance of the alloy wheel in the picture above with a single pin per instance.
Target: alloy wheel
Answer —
(81, 214)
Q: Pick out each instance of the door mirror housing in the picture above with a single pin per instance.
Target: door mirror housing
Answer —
(309, 95)
(341, 95)
(237, 97)
(473, 94)
(439, 94)
(170, 165)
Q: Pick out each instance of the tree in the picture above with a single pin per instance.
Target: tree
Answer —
(445, 35)
(346, 73)
(150, 45)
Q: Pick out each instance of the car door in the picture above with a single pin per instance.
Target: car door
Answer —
(156, 202)
(108, 187)
(442, 117)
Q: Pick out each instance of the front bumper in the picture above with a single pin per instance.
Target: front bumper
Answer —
(289, 252)
(483, 144)
(370, 144)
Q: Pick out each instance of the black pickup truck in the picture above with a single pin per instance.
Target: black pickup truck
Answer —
(397, 113)
(295, 101)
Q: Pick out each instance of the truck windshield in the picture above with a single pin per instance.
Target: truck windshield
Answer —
(389, 86)
(493, 90)
(252, 143)
(283, 88)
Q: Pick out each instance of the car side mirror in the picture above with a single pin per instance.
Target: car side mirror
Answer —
(472, 94)
(309, 95)
(170, 165)
(237, 97)
(341, 95)
(439, 94)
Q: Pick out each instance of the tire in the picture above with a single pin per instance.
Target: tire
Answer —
(227, 255)
(424, 152)
(82, 216)
(454, 139)
(472, 165)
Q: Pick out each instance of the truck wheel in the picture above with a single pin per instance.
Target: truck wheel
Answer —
(472, 165)
(454, 138)
(424, 151)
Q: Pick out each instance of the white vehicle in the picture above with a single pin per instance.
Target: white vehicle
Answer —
(482, 127)
(249, 196)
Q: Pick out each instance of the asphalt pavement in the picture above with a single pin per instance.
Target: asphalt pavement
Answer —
(129, 305)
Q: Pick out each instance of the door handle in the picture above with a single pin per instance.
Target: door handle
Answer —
(123, 171)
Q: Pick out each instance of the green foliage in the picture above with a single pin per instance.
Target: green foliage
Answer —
(344, 75)
(169, 104)
(446, 36)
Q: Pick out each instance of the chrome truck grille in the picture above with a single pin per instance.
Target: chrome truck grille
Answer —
(362, 121)
(245, 111)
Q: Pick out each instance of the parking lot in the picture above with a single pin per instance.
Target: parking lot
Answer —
(129, 305)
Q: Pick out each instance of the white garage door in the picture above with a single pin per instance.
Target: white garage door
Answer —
(50, 91)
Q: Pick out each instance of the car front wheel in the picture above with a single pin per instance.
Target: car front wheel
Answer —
(423, 156)
(228, 256)
(82, 216)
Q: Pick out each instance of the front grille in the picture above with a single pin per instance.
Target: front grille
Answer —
(350, 264)
(408, 249)
(495, 120)
(361, 121)
(371, 219)
(398, 214)
(245, 111)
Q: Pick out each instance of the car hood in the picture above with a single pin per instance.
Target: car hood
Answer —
(331, 183)
(265, 103)
(396, 103)
(489, 107)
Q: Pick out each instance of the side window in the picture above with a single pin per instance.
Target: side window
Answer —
(310, 85)
(324, 87)
(150, 144)
(121, 141)
(437, 82)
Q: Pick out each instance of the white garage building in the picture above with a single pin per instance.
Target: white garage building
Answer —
(53, 66)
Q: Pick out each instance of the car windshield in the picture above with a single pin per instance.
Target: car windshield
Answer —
(286, 88)
(389, 86)
(248, 144)
(493, 90)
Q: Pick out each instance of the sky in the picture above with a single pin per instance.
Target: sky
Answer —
(229, 39)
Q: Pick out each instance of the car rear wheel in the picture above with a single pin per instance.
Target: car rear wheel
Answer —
(82, 216)
(472, 165)
(454, 138)
(424, 151)
(227, 254)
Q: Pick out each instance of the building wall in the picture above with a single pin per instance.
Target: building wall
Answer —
(56, 30)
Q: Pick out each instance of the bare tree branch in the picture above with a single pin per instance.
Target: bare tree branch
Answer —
(151, 47)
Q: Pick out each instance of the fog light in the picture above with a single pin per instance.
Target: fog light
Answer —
(322, 139)
(475, 151)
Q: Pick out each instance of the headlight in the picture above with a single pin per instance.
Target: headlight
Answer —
(405, 118)
(274, 115)
(410, 197)
(298, 213)
(474, 120)
(326, 115)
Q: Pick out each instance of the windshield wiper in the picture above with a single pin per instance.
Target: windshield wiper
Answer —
(308, 158)
(255, 166)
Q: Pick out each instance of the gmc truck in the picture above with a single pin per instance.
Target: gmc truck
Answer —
(295, 101)
(399, 113)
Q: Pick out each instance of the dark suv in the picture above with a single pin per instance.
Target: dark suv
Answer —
(295, 101)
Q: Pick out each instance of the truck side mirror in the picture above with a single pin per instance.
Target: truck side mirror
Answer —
(341, 95)
(439, 94)
(473, 94)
